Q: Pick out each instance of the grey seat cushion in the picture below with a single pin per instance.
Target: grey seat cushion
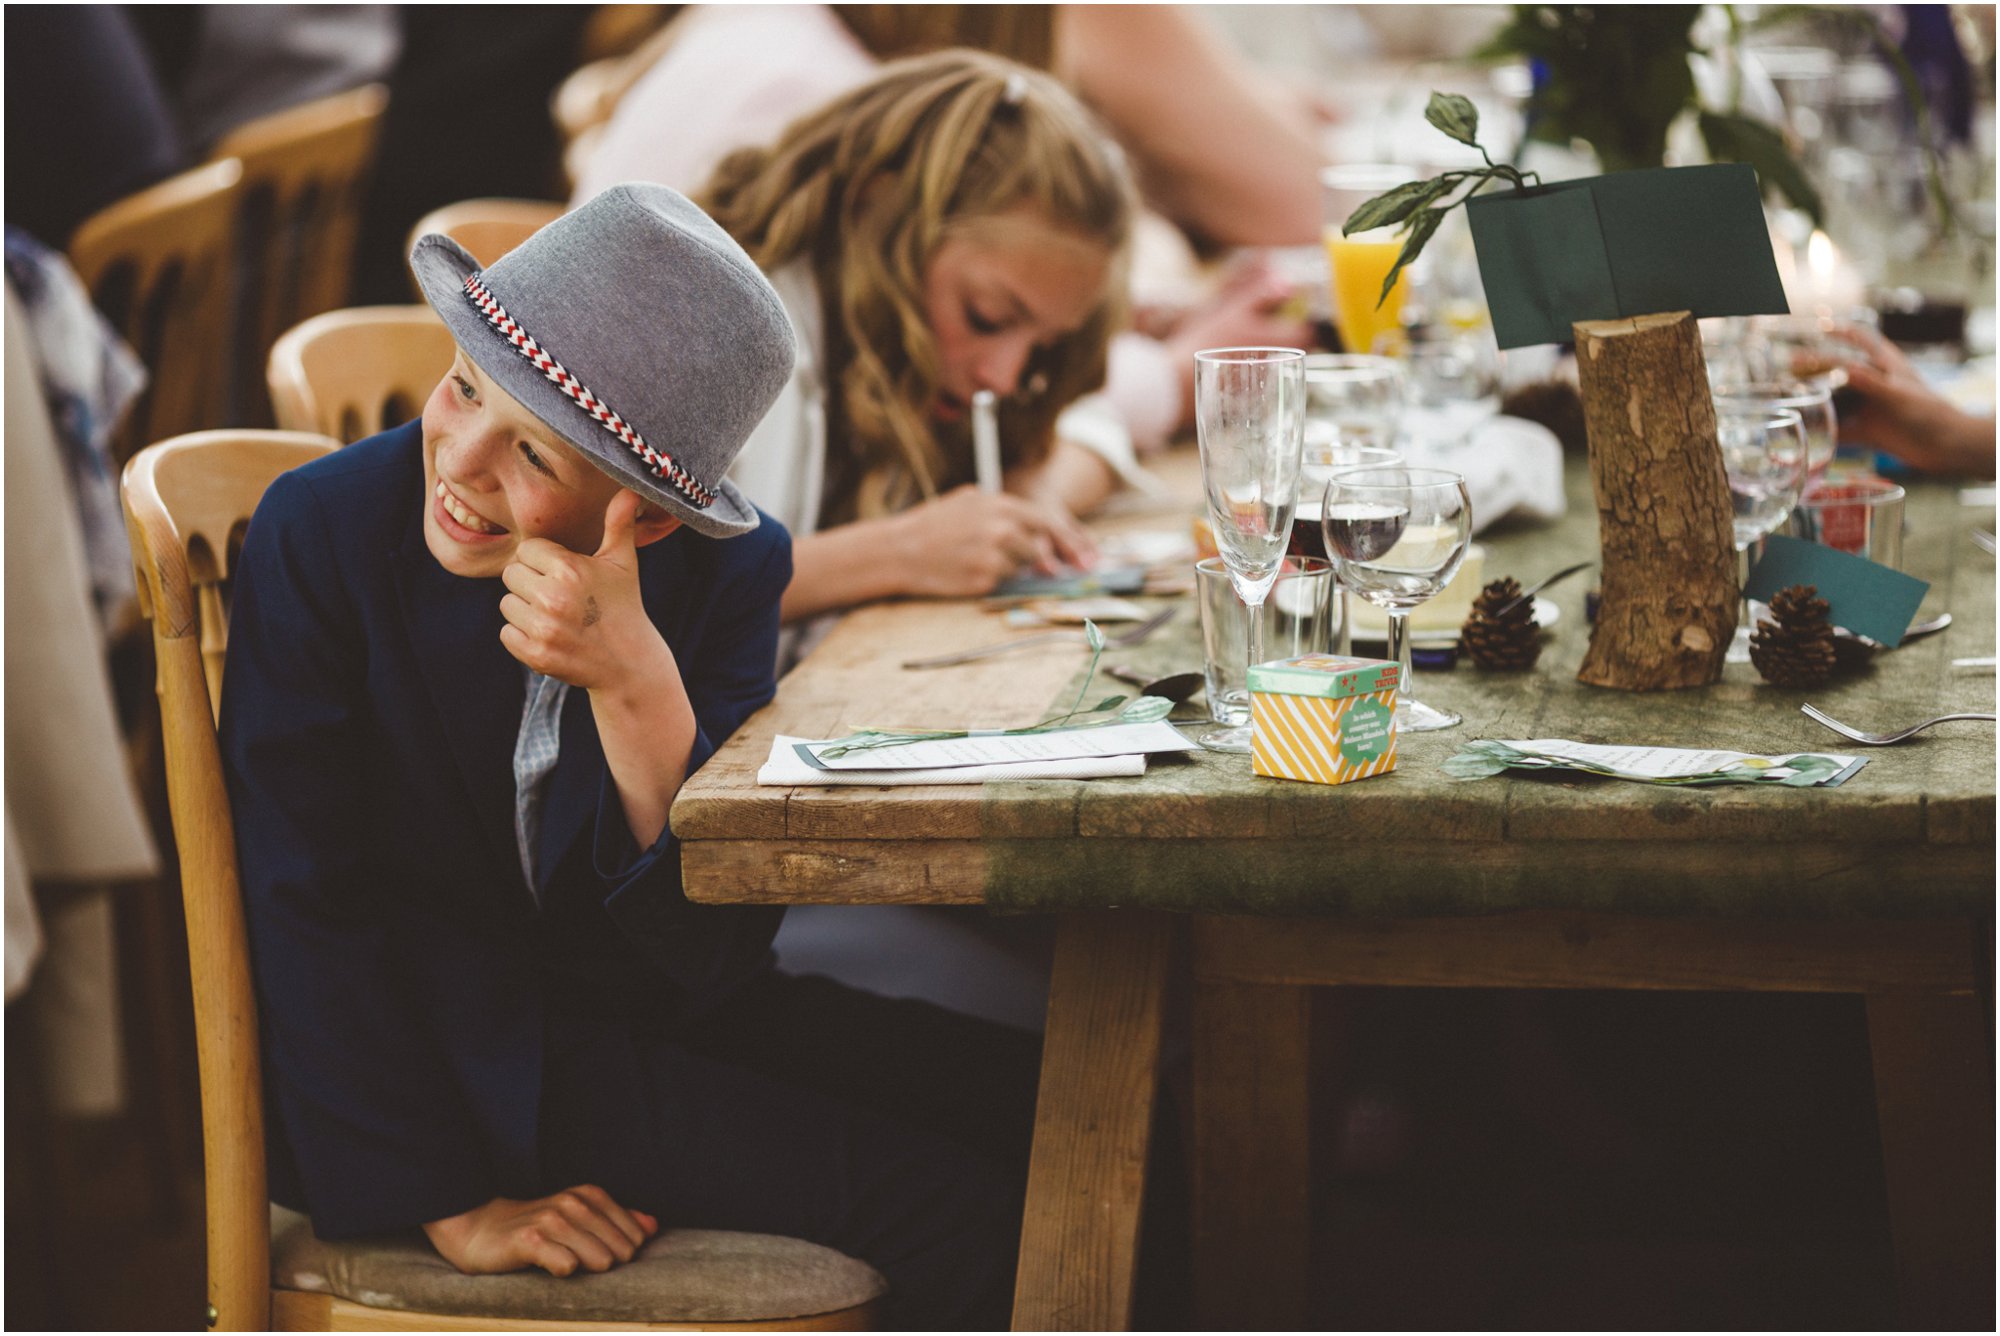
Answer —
(681, 1275)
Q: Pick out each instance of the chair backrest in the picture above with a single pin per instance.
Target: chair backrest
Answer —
(305, 173)
(159, 265)
(349, 374)
(186, 503)
(488, 228)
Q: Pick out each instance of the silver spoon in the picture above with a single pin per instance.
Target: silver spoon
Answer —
(1176, 687)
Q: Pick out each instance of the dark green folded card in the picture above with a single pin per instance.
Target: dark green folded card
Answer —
(1626, 244)
(1864, 596)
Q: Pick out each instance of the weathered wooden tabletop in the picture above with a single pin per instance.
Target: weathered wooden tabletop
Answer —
(1876, 887)
(1911, 835)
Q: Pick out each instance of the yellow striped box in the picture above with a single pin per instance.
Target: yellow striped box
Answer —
(1323, 718)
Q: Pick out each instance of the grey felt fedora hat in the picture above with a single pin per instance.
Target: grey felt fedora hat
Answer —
(639, 332)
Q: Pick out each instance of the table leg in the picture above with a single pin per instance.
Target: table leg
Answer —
(1093, 1122)
(1252, 1185)
(1934, 1101)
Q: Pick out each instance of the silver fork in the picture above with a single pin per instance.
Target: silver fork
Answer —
(1131, 636)
(1881, 739)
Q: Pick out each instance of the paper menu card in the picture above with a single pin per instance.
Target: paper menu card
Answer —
(784, 769)
(1003, 748)
(1658, 763)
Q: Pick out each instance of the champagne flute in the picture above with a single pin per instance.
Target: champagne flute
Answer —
(1400, 534)
(1765, 453)
(1250, 422)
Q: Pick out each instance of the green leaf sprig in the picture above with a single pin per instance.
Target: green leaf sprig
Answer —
(1133, 710)
(1416, 204)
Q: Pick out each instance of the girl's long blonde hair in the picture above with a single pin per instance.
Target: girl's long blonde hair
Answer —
(865, 189)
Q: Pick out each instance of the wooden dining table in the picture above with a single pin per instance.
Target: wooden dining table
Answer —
(1261, 890)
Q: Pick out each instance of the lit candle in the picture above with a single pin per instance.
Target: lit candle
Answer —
(1828, 284)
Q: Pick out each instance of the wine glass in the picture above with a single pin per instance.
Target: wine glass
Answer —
(1399, 534)
(1353, 403)
(1453, 379)
(1764, 452)
(1812, 399)
(1249, 406)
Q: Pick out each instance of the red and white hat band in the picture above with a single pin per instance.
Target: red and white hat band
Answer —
(661, 466)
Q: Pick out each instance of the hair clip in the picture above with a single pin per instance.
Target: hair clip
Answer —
(1016, 90)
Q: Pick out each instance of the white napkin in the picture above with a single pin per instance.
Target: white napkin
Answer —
(1510, 464)
(784, 769)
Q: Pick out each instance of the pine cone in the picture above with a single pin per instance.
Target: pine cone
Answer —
(1509, 642)
(1851, 654)
(1796, 649)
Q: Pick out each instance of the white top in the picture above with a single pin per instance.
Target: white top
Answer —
(736, 76)
(782, 467)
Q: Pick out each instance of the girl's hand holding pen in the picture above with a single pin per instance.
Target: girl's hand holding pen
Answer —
(966, 542)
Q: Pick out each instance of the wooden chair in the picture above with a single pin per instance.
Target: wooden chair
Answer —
(158, 265)
(349, 374)
(187, 501)
(305, 172)
(488, 228)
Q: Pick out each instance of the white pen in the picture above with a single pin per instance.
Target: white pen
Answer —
(986, 441)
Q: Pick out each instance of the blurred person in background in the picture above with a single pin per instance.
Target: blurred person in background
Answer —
(89, 119)
(1218, 157)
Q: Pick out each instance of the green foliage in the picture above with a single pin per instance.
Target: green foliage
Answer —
(1617, 75)
(1457, 117)
(1734, 138)
(1414, 204)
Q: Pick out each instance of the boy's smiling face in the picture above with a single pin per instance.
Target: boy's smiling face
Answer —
(495, 476)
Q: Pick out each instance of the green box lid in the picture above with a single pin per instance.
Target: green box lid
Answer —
(1330, 676)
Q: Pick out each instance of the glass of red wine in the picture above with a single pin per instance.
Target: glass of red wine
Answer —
(1321, 462)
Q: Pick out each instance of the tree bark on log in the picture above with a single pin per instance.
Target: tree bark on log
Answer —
(1669, 561)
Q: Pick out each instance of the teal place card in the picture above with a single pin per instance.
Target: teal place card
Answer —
(1624, 244)
(1864, 596)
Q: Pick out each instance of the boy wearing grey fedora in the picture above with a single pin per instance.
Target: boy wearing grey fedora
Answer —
(472, 660)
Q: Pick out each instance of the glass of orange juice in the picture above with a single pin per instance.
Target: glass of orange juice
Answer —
(1362, 261)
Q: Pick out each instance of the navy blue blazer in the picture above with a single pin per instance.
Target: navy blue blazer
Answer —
(405, 972)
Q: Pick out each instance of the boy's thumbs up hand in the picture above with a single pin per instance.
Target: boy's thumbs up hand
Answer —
(620, 517)
(580, 618)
